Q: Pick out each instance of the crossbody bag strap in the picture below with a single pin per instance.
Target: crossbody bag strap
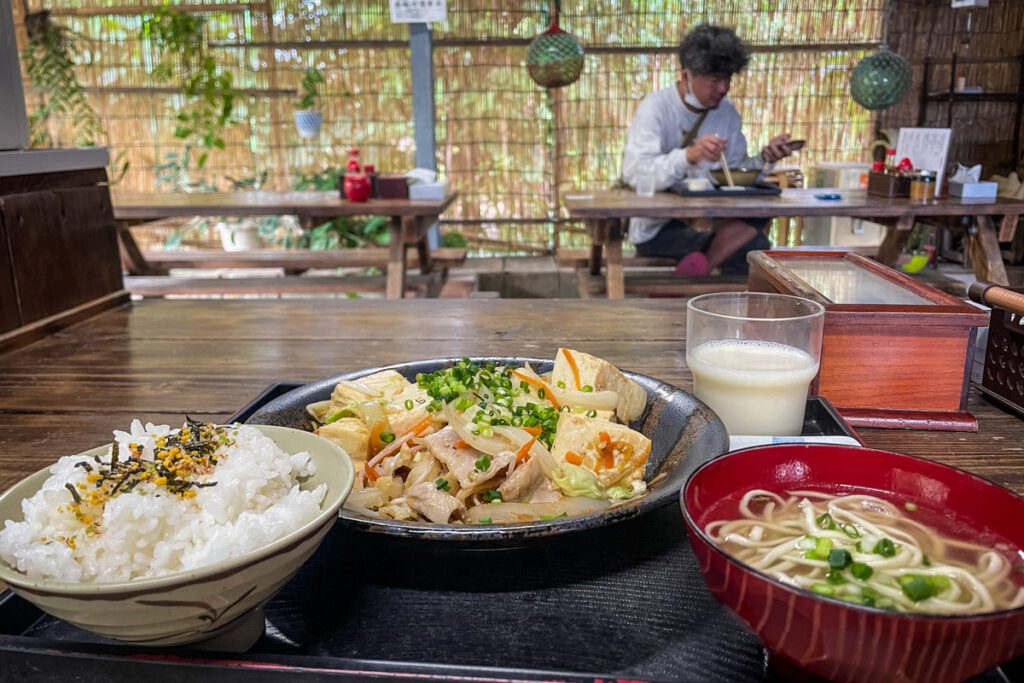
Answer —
(691, 135)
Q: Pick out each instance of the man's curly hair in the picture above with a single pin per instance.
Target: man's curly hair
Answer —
(713, 51)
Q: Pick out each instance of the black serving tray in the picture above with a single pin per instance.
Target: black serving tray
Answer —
(755, 190)
(622, 602)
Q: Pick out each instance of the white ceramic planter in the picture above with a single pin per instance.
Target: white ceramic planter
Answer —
(239, 236)
(308, 122)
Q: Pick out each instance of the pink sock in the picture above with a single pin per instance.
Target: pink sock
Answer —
(694, 263)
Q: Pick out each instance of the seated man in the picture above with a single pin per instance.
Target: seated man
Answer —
(686, 125)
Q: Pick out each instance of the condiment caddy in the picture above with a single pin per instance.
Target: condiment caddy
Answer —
(892, 179)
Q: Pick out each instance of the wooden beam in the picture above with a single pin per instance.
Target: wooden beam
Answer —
(135, 10)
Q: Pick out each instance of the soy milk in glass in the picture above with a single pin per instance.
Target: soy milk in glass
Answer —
(753, 357)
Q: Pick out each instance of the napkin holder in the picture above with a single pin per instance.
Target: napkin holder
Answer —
(900, 365)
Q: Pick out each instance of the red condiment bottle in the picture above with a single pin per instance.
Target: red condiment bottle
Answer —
(356, 185)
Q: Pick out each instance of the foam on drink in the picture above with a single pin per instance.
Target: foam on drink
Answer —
(756, 387)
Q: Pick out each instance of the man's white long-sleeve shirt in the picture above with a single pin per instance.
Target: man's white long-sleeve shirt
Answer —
(654, 143)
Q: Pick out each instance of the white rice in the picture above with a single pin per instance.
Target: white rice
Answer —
(150, 532)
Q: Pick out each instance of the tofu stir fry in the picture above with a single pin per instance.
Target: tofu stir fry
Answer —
(489, 443)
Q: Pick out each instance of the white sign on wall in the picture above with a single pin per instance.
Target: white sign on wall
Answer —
(927, 149)
(418, 11)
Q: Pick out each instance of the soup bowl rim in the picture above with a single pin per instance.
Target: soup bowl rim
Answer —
(692, 526)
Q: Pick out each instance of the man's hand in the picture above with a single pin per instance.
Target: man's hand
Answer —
(777, 149)
(705, 148)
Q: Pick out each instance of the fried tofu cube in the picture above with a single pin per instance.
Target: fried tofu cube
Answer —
(602, 376)
(614, 452)
(351, 434)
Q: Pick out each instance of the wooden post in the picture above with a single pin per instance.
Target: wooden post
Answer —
(13, 116)
(396, 261)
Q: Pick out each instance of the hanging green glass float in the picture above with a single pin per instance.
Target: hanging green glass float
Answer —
(880, 80)
(555, 58)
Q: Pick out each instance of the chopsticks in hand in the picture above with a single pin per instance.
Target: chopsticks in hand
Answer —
(725, 169)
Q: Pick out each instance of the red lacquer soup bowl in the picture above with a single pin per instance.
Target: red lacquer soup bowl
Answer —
(838, 640)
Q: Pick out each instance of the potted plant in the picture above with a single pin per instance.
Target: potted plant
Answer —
(307, 118)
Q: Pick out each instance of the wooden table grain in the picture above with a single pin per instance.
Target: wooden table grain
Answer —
(410, 220)
(607, 213)
(159, 359)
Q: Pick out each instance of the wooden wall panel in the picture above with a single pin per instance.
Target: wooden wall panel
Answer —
(10, 316)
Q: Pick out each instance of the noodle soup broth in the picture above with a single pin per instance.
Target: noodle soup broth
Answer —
(870, 548)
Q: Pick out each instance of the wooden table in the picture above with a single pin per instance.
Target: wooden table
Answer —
(410, 219)
(159, 359)
(607, 214)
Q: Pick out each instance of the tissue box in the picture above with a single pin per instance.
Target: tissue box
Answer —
(982, 190)
(428, 191)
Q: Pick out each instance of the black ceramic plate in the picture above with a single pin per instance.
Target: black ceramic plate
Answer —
(684, 433)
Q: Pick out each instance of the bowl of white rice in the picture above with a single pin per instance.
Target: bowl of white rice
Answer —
(172, 536)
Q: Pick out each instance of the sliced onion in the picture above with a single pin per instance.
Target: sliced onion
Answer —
(519, 436)
(371, 497)
(361, 388)
(464, 428)
(319, 410)
(508, 513)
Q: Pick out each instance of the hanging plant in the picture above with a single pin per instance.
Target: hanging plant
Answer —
(49, 59)
(308, 117)
(209, 92)
(555, 58)
(50, 66)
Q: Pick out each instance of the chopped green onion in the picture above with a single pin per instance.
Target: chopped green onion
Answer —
(885, 548)
(591, 413)
(822, 548)
(483, 463)
(486, 520)
(835, 577)
(541, 393)
(409, 404)
(486, 430)
(851, 531)
(443, 485)
(823, 589)
(925, 561)
(839, 558)
(918, 587)
(344, 412)
(861, 571)
(825, 521)
(387, 437)
(525, 386)
(561, 384)
(911, 507)
(491, 496)
(587, 388)
(546, 517)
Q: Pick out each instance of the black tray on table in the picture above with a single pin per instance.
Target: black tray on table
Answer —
(626, 601)
(756, 190)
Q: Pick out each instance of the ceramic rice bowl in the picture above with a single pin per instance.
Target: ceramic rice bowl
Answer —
(221, 605)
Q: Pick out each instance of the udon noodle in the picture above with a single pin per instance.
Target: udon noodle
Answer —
(866, 550)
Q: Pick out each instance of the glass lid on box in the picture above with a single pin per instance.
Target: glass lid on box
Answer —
(844, 282)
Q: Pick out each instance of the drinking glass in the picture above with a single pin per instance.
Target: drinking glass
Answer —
(644, 183)
(753, 356)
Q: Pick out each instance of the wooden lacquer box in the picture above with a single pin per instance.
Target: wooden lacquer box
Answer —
(896, 353)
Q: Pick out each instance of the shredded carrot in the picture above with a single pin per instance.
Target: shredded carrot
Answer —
(397, 444)
(572, 365)
(523, 454)
(371, 474)
(608, 458)
(540, 385)
(535, 431)
(573, 458)
(461, 444)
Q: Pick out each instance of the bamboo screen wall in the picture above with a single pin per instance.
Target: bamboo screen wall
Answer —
(508, 146)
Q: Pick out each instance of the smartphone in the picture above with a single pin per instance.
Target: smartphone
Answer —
(794, 145)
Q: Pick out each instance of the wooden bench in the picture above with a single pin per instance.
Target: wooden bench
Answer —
(148, 271)
(648, 275)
